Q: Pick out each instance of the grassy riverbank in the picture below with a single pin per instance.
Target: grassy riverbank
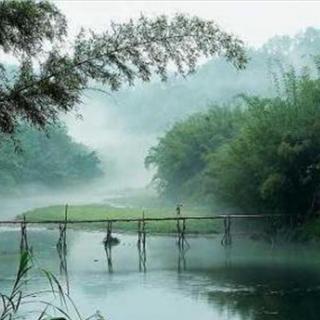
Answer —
(98, 211)
(309, 231)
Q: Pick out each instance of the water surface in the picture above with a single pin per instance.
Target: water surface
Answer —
(251, 280)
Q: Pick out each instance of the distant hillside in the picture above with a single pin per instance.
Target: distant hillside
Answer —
(152, 107)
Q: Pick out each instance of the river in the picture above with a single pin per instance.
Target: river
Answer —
(250, 280)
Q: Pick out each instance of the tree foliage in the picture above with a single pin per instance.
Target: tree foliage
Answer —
(51, 80)
(269, 161)
(180, 156)
(51, 160)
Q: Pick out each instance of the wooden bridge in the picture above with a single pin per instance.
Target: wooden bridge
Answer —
(141, 225)
(109, 240)
(145, 219)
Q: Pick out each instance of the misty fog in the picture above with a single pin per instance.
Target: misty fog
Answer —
(159, 160)
(122, 126)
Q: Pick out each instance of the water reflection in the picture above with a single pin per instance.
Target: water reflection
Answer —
(198, 280)
(141, 245)
(182, 262)
(62, 255)
(261, 293)
(142, 254)
(108, 250)
(228, 256)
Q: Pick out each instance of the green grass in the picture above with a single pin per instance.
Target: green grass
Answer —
(95, 212)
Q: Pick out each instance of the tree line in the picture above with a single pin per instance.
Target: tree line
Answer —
(51, 160)
(256, 154)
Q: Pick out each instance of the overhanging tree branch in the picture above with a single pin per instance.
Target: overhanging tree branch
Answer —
(98, 57)
(130, 51)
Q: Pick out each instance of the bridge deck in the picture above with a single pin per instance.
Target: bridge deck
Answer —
(145, 219)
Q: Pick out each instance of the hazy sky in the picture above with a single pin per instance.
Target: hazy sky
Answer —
(253, 21)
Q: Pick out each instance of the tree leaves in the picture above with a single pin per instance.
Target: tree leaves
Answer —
(263, 157)
(52, 161)
(51, 81)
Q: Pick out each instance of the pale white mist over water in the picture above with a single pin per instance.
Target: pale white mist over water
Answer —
(121, 152)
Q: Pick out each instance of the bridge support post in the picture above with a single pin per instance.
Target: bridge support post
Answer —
(178, 232)
(144, 233)
(227, 238)
(24, 245)
(108, 246)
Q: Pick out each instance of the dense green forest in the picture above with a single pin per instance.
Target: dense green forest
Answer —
(256, 154)
(50, 159)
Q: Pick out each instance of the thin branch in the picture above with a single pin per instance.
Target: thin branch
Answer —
(128, 47)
